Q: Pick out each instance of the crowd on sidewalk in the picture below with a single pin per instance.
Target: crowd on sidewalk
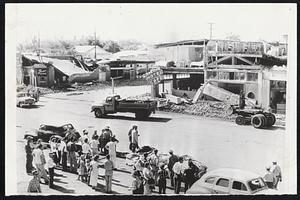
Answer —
(98, 151)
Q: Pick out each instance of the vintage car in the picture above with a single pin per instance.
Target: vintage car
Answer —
(24, 99)
(45, 132)
(230, 181)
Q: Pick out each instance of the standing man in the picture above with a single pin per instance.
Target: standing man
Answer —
(135, 139)
(64, 158)
(148, 176)
(154, 160)
(269, 178)
(107, 135)
(51, 167)
(277, 172)
(29, 156)
(172, 160)
(108, 166)
(178, 169)
(39, 160)
(72, 155)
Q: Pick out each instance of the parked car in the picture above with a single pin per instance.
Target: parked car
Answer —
(45, 132)
(24, 99)
(230, 181)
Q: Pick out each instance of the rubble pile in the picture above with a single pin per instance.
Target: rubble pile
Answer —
(142, 97)
(212, 109)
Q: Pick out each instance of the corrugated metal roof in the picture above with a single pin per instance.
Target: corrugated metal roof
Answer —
(65, 66)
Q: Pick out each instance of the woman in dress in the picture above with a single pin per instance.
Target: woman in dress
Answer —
(94, 172)
(112, 151)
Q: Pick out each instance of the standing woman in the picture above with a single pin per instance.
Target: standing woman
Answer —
(94, 145)
(94, 172)
(29, 156)
(112, 151)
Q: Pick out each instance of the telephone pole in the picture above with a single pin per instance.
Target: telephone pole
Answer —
(95, 46)
(211, 29)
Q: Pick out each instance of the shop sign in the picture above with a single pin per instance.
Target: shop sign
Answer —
(42, 72)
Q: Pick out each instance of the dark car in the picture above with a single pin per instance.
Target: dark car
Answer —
(45, 132)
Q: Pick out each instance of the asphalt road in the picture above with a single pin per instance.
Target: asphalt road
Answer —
(216, 143)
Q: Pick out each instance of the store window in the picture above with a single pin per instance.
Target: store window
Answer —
(239, 76)
(224, 75)
(252, 76)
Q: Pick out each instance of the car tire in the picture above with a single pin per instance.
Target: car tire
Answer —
(258, 121)
(240, 120)
(271, 119)
(98, 113)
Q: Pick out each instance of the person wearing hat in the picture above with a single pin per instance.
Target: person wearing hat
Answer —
(29, 156)
(85, 136)
(137, 183)
(34, 184)
(269, 178)
(276, 170)
(178, 170)
(162, 179)
(172, 160)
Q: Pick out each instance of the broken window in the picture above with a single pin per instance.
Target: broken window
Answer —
(211, 75)
(252, 76)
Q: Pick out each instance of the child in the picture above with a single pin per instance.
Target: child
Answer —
(162, 179)
(51, 166)
(88, 170)
(34, 184)
(81, 168)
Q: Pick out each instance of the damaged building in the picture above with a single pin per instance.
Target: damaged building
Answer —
(236, 66)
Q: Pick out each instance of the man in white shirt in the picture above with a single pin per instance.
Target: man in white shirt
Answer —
(277, 172)
(178, 170)
(86, 147)
(39, 161)
(51, 167)
(63, 149)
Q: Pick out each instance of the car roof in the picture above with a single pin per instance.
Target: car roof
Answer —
(237, 174)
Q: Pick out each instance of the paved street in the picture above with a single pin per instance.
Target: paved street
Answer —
(214, 142)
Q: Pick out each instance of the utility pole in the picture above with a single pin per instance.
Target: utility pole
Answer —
(211, 29)
(95, 46)
(39, 44)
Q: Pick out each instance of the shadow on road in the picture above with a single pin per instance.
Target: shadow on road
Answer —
(101, 188)
(33, 107)
(58, 180)
(275, 128)
(150, 119)
(62, 189)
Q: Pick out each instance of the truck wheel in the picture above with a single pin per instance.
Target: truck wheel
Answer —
(258, 121)
(271, 119)
(240, 120)
(98, 113)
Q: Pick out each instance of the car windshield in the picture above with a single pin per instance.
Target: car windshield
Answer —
(256, 184)
(22, 95)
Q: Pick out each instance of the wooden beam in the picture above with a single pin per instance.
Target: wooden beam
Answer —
(235, 54)
(220, 60)
(245, 60)
(247, 67)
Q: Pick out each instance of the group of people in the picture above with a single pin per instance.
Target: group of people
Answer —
(83, 155)
(273, 175)
(149, 172)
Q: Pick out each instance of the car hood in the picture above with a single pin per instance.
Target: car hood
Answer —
(26, 98)
(268, 191)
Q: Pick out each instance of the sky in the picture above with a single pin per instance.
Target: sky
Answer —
(149, 23)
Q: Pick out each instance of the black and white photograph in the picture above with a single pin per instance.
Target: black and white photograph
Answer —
(150, 99)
